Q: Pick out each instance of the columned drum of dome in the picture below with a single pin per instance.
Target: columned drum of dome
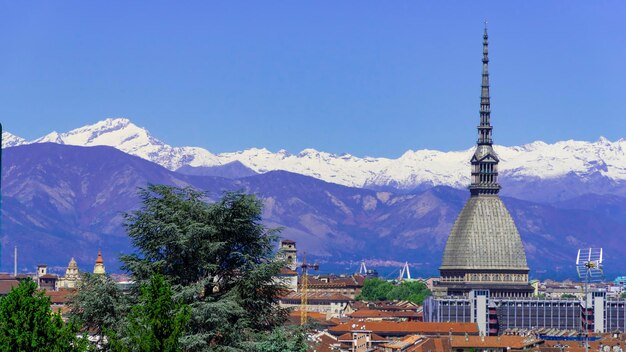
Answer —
(484, 250)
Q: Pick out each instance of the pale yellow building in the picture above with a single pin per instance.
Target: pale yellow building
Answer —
(71, 277)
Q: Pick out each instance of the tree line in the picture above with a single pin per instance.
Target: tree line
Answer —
(375, 289)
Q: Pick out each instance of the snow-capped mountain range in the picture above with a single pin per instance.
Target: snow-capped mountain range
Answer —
(537, 160)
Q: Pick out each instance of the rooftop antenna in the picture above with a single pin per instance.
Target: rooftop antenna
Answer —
(15, 261)
(589, 268)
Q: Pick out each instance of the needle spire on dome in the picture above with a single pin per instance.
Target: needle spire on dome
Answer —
(484, 129)
(485, 160)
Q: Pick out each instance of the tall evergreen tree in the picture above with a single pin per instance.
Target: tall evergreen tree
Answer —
(27, 323)
(99, 305)
(155, 323)
(218, 257)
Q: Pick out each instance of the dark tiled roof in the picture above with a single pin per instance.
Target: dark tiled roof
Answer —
(61, 296)
(49, 276)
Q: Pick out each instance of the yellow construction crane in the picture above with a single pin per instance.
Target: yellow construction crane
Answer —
(304, 288)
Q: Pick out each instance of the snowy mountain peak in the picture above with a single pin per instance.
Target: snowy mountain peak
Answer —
(52, 137)
(11, 140)
(412, 169)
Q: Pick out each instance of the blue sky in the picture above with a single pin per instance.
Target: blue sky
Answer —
(362, 77)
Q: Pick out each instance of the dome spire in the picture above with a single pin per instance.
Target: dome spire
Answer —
(485, 160)
(484, 129)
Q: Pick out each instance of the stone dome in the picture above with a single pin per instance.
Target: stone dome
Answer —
(484, 237)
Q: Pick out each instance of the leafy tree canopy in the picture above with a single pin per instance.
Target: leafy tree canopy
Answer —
(219, 259)
(27, 323)
(376, 289)
(155, 323)
(99, 304)
(281, 340)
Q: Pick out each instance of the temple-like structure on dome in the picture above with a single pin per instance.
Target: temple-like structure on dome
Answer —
(484, 249)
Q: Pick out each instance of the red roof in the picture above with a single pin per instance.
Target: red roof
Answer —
(61, 296)
(285, 271)
(322, 343)
(406, 327)
(7, 285)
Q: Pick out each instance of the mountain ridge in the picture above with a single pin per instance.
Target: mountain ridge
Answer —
(602, 162)
(62, 201)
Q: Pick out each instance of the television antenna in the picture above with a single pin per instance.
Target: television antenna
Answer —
(589, 268)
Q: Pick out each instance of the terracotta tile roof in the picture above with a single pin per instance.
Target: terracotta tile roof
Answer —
(404, 342)
(7, 285)
(441, 344)
(345, 337)
(335, 321)
(60, 297)
(287, 272)
(504, 341)
(322, 342)
(376, 337)
(348, 337)
(387, 328)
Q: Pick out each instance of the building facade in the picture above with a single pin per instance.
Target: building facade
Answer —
(496, 315)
